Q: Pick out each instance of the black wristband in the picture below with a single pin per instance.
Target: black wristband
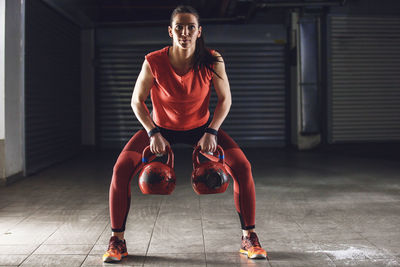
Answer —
(153, 131)
(211, 131)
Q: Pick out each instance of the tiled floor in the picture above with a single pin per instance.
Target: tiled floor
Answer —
(328, 207)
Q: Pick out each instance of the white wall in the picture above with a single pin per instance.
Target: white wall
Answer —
(14, 86)
(2, 64)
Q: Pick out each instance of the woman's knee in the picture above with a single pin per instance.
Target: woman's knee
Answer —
(241, 171)
(246, 165)
(237, 160)
(123, 169)
(243, 167)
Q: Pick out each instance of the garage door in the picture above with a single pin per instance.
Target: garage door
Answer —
(364, 79)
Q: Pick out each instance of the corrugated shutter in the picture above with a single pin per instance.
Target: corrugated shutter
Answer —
(364, 79)
(52, 87)
(256, 74)
(257, 78)
(117, 70)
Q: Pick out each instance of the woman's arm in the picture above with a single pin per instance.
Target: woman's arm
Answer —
(208, 142)
(141, 91)
(223, 91)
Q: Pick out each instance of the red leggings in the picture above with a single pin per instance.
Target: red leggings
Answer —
(129, 163)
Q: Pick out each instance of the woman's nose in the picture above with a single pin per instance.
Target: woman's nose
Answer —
(185, 31)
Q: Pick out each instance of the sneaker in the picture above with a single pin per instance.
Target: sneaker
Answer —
(116, 250)
(252, 248)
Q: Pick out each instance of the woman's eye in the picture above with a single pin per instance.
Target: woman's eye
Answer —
(192, 27)
(179, 27)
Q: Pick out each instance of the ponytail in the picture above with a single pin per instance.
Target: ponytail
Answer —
(202, 55)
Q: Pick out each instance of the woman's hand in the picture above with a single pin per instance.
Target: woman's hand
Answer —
(158, 144)
(208, 143)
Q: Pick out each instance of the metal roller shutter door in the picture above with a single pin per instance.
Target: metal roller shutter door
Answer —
(52, 87)
(257, 77)
(364, 79)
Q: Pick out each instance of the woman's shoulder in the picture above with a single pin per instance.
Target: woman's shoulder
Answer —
(156, 54)
(215, 53)
(157, 60)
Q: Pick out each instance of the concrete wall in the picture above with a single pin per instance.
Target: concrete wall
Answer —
(87, 85)
(14, 84)
(2, 85)
(2, 64)
(300, 141)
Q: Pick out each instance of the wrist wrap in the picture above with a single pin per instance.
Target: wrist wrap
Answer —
(211, 131)
(153, 131)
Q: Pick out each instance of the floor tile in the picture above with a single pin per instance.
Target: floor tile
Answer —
(233, 259)
(54, 260)
(63, 249)
(17, 249)
(7, 222)
(130, 260)
(172, 259)
(368, 263)
(77, 233)
(184, 245)
(12, 259)
(302, 263)
(28, 233)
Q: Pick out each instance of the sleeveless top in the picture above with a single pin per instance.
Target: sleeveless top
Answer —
(180, 103)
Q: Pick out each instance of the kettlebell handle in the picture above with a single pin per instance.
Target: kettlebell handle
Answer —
(170, 161)
(195, 157)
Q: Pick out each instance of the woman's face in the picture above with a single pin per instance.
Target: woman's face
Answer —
(185, 30)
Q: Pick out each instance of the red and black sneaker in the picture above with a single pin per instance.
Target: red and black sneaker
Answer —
(252, 247)
(116, 250)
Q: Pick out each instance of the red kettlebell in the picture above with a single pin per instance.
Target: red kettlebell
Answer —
(209, 177)
(156, 177)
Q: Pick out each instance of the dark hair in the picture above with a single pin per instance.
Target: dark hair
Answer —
(202, 55)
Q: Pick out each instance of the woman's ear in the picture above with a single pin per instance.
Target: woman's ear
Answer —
(170, 31)
(199, 34)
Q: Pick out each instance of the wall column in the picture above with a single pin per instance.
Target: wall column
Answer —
(13, 87)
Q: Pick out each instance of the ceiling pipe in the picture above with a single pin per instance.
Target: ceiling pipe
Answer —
(223, 7)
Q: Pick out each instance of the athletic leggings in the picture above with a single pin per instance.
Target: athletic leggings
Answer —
(129, 163)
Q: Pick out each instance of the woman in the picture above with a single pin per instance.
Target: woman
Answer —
(178, 79)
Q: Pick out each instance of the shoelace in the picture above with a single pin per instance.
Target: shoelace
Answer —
(116, 245)
(254, 240)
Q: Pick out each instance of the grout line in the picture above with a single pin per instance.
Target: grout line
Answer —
(319, 247)
(151, 236)
(24, 218)
(202, 231)
(42, 243)
(16, 224)
(87, 255)
(315, 243)
(383, 250)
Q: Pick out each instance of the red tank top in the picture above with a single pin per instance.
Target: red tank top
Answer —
(179, 102)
